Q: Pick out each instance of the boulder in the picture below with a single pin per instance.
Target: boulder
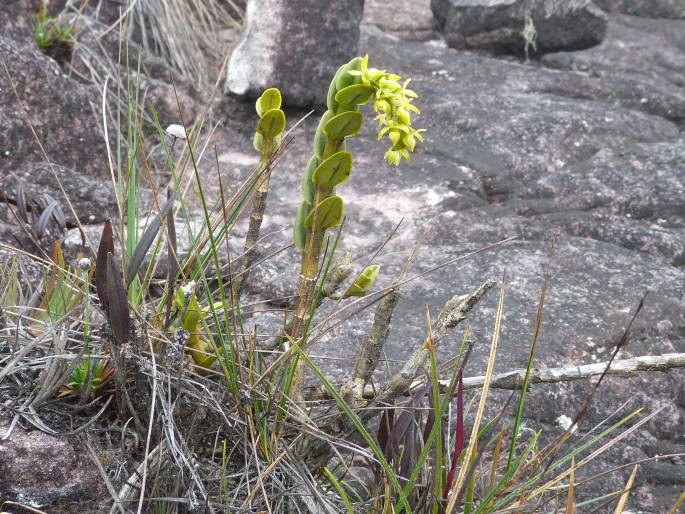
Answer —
(647, 8)
(641, 65)
(47, 472)
(96, 54)
(61, 111)
(406, 19)
(92, 198)
(295, 46)
(498, 25)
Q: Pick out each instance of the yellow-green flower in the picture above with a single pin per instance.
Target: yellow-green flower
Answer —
(393, 106)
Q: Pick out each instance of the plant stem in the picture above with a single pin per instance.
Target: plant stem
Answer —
(309, 271)
(256, 217)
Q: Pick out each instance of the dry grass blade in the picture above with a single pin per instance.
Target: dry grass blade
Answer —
(21, 506)
(118, 302)
(680, 501)
(184, 33)
(481, 405)
(553, 448)
(621, 343)
(626, 491)
(570, 497)
(106, 247)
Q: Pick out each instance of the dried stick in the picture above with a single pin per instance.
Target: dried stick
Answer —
(318, 450)
(622, 368)
(512, 380)
(353, 391)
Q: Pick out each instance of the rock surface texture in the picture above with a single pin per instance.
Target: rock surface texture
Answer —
(38, 96)
(497, 25)
(648, 8)
(406, 20)
(295, 46)
(41, 471)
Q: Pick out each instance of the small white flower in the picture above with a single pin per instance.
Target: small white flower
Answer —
(84, 264)
(565, 423)
(177, 131)
(188, 289)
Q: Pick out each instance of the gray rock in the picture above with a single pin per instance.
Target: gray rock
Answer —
(295, 46)
(60, 110)
(648, 8)
(96, 55)
(406, 19)
(92, 198)
(641, 65)
(16, 16)
(47, 472)
(497, 25)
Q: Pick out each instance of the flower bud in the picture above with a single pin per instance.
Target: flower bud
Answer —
(410, 142)
(403, 116)
(177, 131)
(84, 264)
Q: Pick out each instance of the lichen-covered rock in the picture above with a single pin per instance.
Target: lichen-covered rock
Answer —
(647, 8)
(406, 19)
(96, 53)
(47, 472)
(92, 198)
(295, 46)
(497, 25)
(61, 111)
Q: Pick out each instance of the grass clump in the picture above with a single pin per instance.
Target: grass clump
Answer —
(53, 36)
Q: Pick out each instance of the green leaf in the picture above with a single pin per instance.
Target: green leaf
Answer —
(356, 94)
(300, 232)
(320, 137)
(331, 102)
(334, 170)
(328, 213)
(343, 125)
(272, 123)
(270, 99)
(258, 142)
(308, 188)
(363, 282)
(344, 79)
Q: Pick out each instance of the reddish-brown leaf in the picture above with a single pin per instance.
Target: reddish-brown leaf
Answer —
(106, 246)
(118, 302)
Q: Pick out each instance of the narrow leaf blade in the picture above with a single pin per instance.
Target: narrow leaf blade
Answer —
(118, 303)
(106, 246)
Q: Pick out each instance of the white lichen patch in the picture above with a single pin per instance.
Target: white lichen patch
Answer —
(565, 423)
